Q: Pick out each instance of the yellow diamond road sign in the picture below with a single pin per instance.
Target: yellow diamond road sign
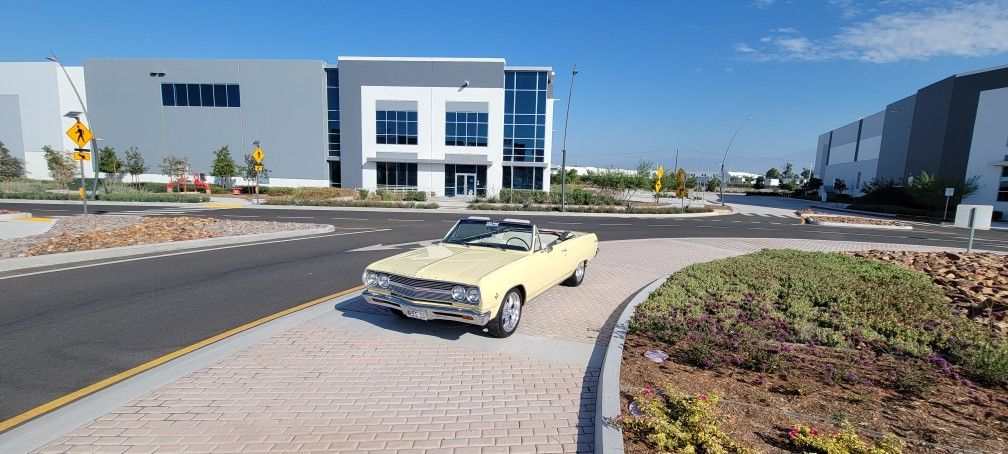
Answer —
(80, 134)
(258, 168)
(258, 155)
(81, 156)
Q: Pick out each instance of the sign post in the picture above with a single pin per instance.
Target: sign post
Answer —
(972, 226)
(80, 135)
(949, 192)
(258, 155)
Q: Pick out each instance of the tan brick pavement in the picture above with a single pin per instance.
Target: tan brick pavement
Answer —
(319, 388)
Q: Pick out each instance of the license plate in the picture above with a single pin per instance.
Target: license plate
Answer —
(415, 313)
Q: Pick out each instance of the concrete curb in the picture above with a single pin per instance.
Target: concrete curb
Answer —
(847, 210)
(20, 263)
(12, 216)
(102, 202)
(812, 221)
(469, 212)
(608, 438)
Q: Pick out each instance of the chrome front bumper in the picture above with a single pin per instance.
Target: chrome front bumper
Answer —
(471, 316)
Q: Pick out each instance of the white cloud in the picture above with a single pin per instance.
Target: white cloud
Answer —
(761, 4)
(960, 29)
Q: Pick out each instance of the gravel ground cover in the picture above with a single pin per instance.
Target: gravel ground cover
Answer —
(812, 216)
(88, 232)
(790, 340)
(8, 212)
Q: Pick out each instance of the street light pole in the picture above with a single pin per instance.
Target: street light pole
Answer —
(94, 140)
(730, 143)
(563, 159)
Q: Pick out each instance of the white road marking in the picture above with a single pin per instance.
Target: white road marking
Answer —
(353, 219)
(664, 225)
(190, 252)
(294, 217)
(565, 223)
(614, 224)
(406, 220)
(240, 216)
(40, 209)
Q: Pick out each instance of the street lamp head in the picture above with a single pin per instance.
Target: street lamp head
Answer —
(73, 114)
(52, 59)
(256, 142)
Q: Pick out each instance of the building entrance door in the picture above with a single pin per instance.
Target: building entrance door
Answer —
(465, 184)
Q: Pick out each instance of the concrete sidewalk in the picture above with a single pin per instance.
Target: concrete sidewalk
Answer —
(26, 226)
(346, 376)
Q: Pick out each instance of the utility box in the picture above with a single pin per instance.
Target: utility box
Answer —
(981, 220)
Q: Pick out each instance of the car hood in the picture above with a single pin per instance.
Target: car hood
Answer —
(448, 262)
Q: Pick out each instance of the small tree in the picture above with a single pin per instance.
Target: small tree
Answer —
(773, 174)
(134, 164)
(109, 163)
(223, 166)
(10, 166)
(175, 168)
(788, 171)
(760, 183)
(247, 170)
(713, 184)
(813, 184)
(839, 185)
(62, 167)
(805, 173)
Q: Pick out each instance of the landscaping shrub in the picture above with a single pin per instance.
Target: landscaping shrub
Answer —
(806, 439)
(895, 209)
(362, 193)
(128, 194)
(350, 203)
(37, 195)
(321, 193)
(415, 196)
(277, 190)
(743, 311)
(585, 208)
(674, 422)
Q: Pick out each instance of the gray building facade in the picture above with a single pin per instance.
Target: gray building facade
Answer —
(954, 129)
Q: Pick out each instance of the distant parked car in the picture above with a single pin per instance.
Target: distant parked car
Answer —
(481, 272)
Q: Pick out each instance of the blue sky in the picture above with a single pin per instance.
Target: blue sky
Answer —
(654, 76)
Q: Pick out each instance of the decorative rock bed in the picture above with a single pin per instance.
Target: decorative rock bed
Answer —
(836, 220)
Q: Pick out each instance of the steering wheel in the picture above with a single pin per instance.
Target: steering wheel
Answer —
(524, 243)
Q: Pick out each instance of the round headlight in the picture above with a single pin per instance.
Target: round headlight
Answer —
(458, 293)
(371, 279)
(363, 277)
(473, 295)
(383, 280)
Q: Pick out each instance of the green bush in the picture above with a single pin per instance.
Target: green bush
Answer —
(585, 208)
(350, 203)
(675, 422)
(321, 193)
(37, 195)
(845, 441)
(127, 194)
(576, 196)
(363, 194)
(277, 190)
(776, 297)
(415, 196)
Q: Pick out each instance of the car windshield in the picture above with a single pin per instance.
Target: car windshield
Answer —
(503, 235)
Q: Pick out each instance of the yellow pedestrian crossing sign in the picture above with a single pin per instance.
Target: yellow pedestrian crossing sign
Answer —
(258, 155)
(258, 168)
(80, 134)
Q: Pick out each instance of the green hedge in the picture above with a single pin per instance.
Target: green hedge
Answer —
(576, 196)
(37, 195)
(586, 208)
(350, 203)
(139, 196)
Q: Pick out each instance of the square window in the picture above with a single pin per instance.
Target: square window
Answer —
(411, 115)
(181, 95)
(412, 140)
(167, 94)
(483, 117)
(194, 94)
(401, 115)
(411, 128)
(541, 102)
(220, 95)
(525, 102)
(509, 80)
(482, 130)
(508, 131)
(380, 115)
(509, 101)
(509, 119)
(234, 99)
(471, 117)
(525, 80)
(449, 116)
(207, 93)
(542, 80)
(332, 95)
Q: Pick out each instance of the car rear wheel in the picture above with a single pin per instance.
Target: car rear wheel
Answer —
(577, 277)
(506, 321)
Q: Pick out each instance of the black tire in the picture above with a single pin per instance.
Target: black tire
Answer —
(577, 277)
(397, 312)
(508, 316)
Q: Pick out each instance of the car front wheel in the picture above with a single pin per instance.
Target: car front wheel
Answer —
(506, 321)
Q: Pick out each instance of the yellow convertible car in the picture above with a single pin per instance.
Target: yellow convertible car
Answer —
(481, 272)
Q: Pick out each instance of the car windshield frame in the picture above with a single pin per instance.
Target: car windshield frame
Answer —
(493, 227)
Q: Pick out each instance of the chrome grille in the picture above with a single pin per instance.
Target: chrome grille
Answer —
(421, 289)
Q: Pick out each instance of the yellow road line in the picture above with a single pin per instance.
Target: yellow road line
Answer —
(61, 401)
(34, 219)
(223, 205)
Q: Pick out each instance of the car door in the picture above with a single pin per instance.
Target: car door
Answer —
(545, 267)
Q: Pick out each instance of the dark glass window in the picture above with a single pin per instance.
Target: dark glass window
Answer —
(206, 92)
(220, 95)
(524, 116)
(181, 95)
(396, 175)
(167, 94)
(466, 129)
(522, 178)
(194, 94)
(451, 183)
(334, 174)
(233, 97)
(1002, 195)
(396, 127)
(332, 100)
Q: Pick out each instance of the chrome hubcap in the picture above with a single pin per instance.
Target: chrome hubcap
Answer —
(511, 311)
(579, 272)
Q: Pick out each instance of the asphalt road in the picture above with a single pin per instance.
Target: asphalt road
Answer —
(63, 329)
